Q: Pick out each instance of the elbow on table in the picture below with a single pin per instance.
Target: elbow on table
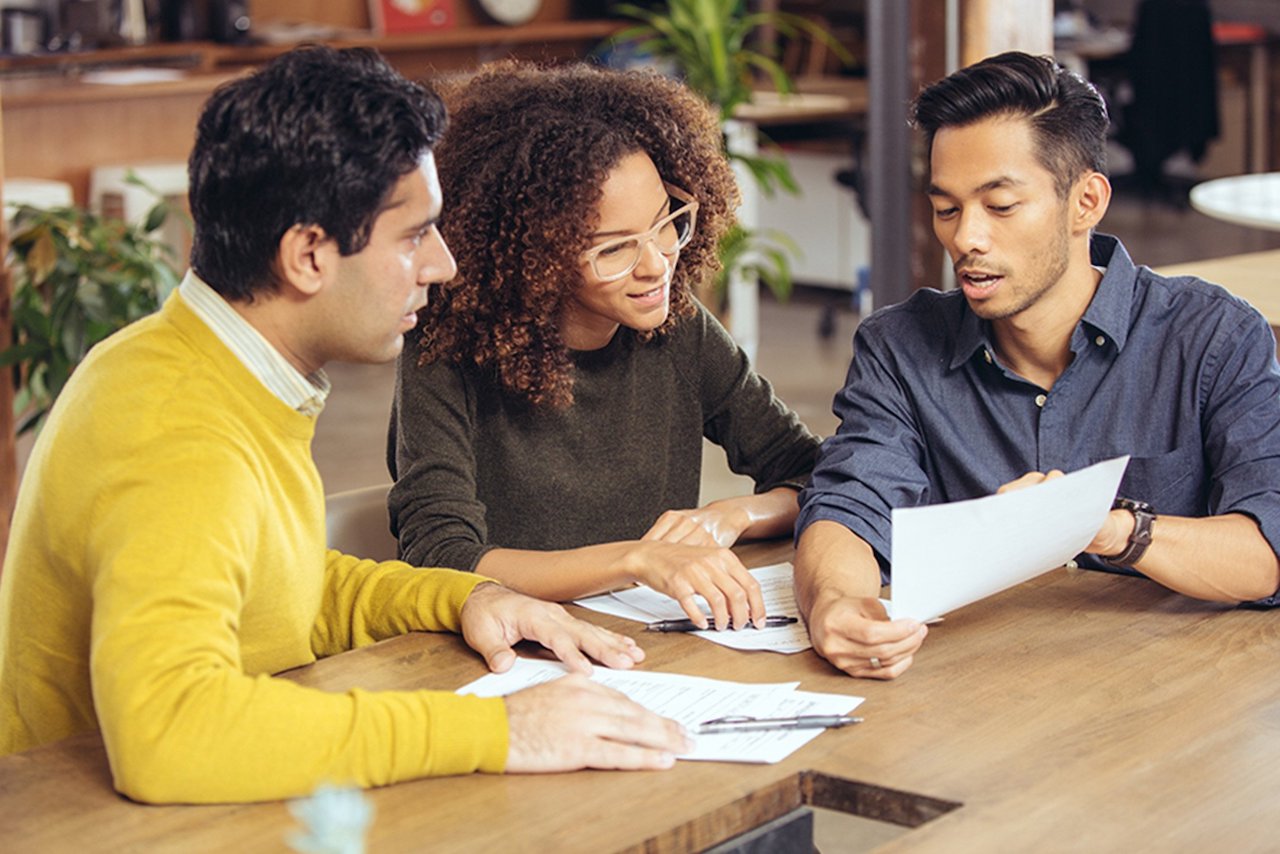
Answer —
(150, 777)
(151, 771)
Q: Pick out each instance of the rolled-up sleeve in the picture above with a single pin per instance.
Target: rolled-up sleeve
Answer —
(1242, 428)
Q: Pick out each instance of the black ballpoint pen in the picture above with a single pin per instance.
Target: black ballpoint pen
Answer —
(742, 723)
(689, 626)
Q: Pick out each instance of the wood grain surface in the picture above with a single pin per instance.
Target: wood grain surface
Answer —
(1078, 711)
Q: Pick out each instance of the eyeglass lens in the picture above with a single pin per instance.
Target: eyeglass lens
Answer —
(670, 236)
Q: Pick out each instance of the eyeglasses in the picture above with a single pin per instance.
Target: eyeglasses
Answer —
(615, 259)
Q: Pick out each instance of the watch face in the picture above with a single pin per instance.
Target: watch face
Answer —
(511, 11)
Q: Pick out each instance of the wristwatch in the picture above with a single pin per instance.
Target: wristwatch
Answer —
(1144, 521)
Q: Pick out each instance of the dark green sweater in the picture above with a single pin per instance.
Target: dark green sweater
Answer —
(476, 469)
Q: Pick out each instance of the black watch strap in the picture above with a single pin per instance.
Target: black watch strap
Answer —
(1144, 521)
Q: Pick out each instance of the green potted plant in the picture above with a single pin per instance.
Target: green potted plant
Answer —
(712, 44)
(77, 277)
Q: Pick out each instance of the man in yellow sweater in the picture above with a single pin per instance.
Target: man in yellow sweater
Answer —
(168, 545)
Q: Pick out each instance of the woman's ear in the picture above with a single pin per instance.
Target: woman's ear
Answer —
(303, 260)
(1090, 199)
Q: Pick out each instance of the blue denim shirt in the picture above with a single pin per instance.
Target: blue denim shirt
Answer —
(1175, 372)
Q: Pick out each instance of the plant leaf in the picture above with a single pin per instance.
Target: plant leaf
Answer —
(43, 257)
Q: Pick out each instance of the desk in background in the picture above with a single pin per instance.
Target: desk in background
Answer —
(1254, 277)
(1081, 710)
(1252, 200)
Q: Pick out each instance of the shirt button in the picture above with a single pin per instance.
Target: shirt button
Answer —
(986, 354)
(1100, 341)
(1071, 564)
(1040, 399)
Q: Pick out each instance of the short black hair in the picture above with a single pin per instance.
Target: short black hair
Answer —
(316, 137)
(1068, 117)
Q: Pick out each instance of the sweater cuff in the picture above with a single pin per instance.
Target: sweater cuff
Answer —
(444, 601)
(471, 734)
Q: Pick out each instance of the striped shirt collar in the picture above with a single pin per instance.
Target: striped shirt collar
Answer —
(305, 393)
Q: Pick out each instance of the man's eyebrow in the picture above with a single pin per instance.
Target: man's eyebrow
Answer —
(993, 184)
(421, 225)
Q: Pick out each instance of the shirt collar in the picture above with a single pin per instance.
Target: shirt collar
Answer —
(1108, 311)
(303, 392)
(1111, 308)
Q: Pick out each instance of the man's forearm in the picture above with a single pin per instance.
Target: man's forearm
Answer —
(1217, 558)
(832, 560)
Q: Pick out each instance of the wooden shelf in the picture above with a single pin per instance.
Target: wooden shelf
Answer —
(57, 125)
(209, 56)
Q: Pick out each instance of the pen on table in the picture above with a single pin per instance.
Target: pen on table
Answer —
(689, 626)
(742, 723)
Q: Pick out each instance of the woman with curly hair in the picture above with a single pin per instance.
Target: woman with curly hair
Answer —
(549, 415)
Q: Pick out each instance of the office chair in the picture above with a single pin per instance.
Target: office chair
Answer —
(356, 523)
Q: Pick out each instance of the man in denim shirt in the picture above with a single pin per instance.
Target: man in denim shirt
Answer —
(1054, 352)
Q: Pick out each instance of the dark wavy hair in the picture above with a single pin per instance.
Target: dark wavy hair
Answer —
(522, 168)
(1068, 117)
(316, 137)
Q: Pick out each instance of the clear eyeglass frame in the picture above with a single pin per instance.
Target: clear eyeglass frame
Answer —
(688, 207)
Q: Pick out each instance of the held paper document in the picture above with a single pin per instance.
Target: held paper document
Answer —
(646, 605)
(948, 555)
(692, 700)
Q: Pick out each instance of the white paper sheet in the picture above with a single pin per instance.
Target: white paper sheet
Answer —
(948, 555)
(692, 700)
(646, 605)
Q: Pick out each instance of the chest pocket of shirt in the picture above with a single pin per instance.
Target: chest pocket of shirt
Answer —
(1172, 483)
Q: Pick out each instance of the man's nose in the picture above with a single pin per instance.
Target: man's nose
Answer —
(438, 265)
(972, 233)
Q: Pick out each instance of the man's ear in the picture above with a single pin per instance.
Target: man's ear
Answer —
(303, 260)
(1090, 199)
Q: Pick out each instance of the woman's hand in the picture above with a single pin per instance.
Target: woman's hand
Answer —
(685, 572)
(714, 525)
(724, 522)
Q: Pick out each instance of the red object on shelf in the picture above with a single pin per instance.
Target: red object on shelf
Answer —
(1238, 32)
(411, 16)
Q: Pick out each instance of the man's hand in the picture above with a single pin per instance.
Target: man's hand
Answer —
(684, 572)
(574, 723)
(495, 618)
(857, 636)
(1112, 537)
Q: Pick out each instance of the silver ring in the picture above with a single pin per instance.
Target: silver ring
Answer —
(875, 663)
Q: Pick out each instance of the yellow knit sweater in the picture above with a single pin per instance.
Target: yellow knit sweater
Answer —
(167, 556)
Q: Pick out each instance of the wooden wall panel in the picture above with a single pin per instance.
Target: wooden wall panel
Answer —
(8, 453)
(106, 133)
(336, 13)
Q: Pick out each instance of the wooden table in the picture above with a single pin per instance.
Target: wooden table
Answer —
(1254, 277)
(1078, 711)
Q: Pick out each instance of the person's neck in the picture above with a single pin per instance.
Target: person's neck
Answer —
(1036, 342)
(587, 334)
(269, 314)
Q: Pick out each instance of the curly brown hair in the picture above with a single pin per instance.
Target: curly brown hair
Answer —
(522, 165)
